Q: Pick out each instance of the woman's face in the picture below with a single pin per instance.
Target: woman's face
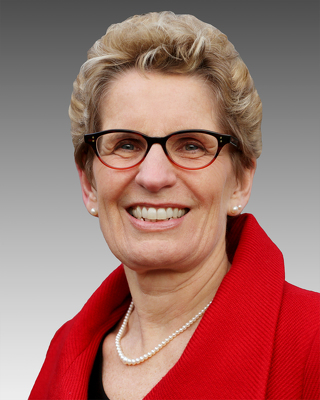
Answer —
(157, 105)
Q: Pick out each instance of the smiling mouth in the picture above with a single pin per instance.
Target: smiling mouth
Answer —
(157, 214)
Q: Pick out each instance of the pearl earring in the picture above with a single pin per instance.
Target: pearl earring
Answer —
(236, 209)
(93, 211)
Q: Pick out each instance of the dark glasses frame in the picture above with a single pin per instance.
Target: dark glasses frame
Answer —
(223, 139)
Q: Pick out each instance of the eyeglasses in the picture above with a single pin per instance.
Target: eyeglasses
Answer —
(189, 149)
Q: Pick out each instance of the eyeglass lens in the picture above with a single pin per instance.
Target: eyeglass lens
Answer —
(125, 149)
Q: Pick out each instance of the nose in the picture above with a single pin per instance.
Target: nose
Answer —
(156, 171)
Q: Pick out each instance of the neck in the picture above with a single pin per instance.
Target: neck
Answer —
(166, 299)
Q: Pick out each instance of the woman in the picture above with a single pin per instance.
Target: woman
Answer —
(166, 128)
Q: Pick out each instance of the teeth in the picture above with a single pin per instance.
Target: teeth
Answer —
(138, 212)
(144, 213)
(169, 213)
(152, 213)
(160, 214)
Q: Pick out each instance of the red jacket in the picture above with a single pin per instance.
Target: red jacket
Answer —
(259, 339)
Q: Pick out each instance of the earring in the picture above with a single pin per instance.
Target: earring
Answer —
(93, 211)
(236, 209)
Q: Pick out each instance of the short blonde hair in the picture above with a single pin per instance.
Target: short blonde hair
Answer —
(169, 44)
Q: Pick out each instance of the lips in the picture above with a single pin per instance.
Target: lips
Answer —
(157, 214)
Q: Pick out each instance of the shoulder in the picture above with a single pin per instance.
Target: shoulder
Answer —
(299, 314)
(298, 328)
(46, 377)
(298, 324)
(295, 360)
(300, 304)
(75, 344)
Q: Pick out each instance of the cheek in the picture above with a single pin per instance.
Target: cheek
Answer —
(214, 187)
(112, 188)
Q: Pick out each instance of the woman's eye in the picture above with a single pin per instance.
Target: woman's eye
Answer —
(186, 147)
(191, 147)
(127, 146)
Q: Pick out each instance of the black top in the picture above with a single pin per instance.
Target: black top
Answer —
(96, 390)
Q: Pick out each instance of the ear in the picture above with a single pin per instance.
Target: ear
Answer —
(241, 194)
(89, 194)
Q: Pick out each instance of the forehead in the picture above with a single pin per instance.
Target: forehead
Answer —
(158, 104)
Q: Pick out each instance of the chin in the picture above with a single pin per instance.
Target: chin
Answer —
(158, 259)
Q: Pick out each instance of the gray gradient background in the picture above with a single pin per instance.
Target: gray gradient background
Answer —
(53, 255)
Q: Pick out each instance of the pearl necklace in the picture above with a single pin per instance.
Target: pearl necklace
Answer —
(135, 361)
